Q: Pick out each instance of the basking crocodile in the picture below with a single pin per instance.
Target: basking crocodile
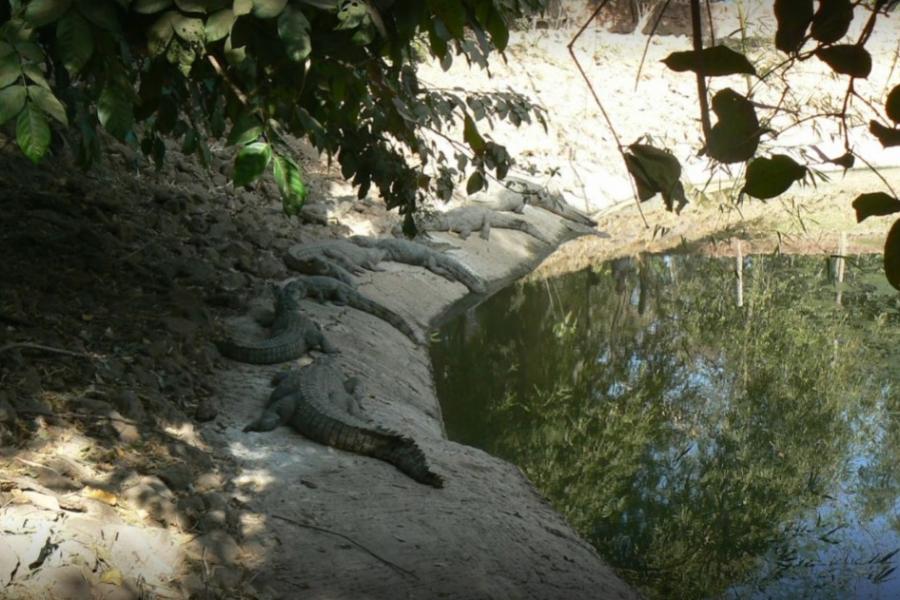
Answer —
(516, 193)
(293, 335)
(466, 219)
(325, 289)
(323, 405)
(349, 257)
(412, 253)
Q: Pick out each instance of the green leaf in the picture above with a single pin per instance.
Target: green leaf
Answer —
(452, 13)
(887, 136)
(847, 59)
(656, 171)
(290, 183)
(149, 7)
(50, 104)
(44, 12)
(293, 29)
(10, 70)
(218, 25)
(892, 256)
(892, 105)
(189, 29)
(832, 21)
(12, 100)
(75, 42)
(268, 9)
(251, 162)
(794, 17)
(771, 177)
(34, 74)
(876, 204)
(6, 49)
(242, 7)
(246, 129)
(33, 133)
(201, 6)
(493, 23)
(475, 183)
(115, 111)
(472, 137)
(160, 34)
(710, 62)
(181, 55)
(102, 14)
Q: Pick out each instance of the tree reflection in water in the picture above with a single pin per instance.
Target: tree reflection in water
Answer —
(706, 450)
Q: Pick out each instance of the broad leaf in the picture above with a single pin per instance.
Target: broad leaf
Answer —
(160, 34)
(452, 13)
(246, 129)
(832, 21)
(771, 177)
(847, 59)
(471, 135)
(289, 180)
(875, 204)
(475, 183)
(495, 25)
(10, 70)
(12, 101)
(656, 171)
(293, 29)
(710, 62)
(101, 14)
(189, 29)
(74, 41)
(735, 136)
(149, 7)
(33, 73)
(201, 6)
(115, 111)
(892, 105)
(218, 25)
(892, 255)
(251, 162)
(50, 104)
(44, 12)
(268, 9)
(33, 132)
(887, 136)
(794, 17)
(242, 7)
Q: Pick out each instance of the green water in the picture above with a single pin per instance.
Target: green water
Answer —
(706, 450)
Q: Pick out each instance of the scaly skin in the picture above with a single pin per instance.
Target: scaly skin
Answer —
(412, 253)
(466, 219)
(346, 255)
(293, 335)
(327, 289)
(318, 402)
(519, 192)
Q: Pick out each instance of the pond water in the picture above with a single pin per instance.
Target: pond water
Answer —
(706, 450)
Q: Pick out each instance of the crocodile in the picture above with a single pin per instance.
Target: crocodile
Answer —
(346, 255)
(412, 253)
(324, 289)
(293, 335)
(323, 405)
(320, 265)
(516, 193)
(466, 219)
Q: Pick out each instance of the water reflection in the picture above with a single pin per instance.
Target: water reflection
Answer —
(706, 450)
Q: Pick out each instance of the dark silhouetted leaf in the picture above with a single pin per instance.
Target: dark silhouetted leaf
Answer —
(44, 12)
(453, 15)
(74, 41)
(771, 177)
(149, 7)
(12, 101)
(794, 17)
(33, 132)
(832, 20)
(475, 183)
(472, 137)
(160, 34)
(846, 160)
(710, 62)
(246, 129)
(876, 204)
(892, 255)
(735, 136)
(115, 111)
(892, 105)
(251, 162)
(887, 136)
(101, 14)
(656, 171)
(847, 59)
(10, 69)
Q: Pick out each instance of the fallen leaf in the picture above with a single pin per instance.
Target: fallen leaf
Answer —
(101, 495)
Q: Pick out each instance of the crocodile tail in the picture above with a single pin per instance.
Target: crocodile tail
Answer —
(362, 303)
(283, 347)
(403, 453)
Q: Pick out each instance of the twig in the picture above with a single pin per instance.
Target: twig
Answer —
(702, 93)
(31, 346)
(394, 566)
(234, 88)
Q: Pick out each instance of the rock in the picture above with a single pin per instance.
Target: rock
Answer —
(269, 267)
(151, 495)
(176, 476)
(206, 410)
(181, 327)
(127, 432)
(130, 405)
